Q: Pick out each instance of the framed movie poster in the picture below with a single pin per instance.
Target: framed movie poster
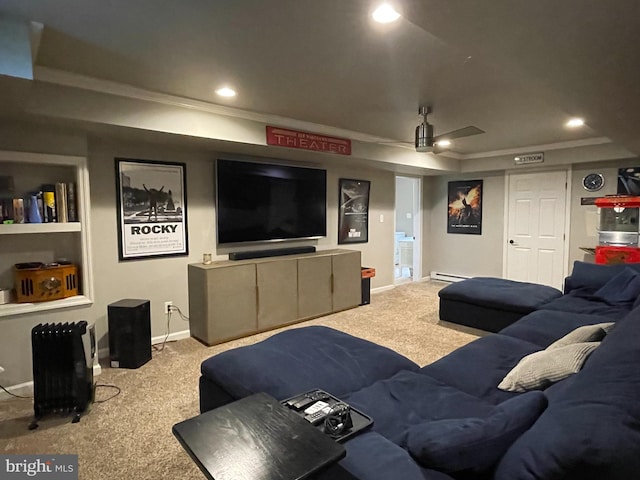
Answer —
(464, 209)
(152, 209)
(353, 217)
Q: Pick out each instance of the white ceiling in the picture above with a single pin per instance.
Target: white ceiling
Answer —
(517, 69)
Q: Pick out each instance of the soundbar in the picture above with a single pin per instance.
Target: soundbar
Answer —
(276, 252)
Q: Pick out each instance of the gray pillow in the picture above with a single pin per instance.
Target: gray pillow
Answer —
(540, 369)
(587, 333)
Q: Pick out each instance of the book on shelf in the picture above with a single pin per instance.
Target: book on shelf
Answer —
(61, 202)
(72, 204)
(18, 210)
(49, 203)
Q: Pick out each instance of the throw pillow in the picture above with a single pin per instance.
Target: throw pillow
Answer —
(540, 369)
(622, 288)
(587, 333)
(473, 445)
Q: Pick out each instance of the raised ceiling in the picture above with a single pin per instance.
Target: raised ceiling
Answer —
(518, 69)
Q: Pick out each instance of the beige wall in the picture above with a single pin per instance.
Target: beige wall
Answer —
(473, 255)
(467, 255)
(162, 279)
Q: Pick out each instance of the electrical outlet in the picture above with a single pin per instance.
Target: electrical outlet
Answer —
(167, 307)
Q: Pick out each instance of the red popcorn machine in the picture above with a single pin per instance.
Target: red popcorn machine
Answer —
(618, 229)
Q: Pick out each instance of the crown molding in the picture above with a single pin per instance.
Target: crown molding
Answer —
(74, 80)
(587, 142)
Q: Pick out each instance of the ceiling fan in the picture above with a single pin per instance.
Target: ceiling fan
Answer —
(425, 141)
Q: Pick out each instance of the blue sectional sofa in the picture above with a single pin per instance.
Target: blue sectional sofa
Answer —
(449, 419)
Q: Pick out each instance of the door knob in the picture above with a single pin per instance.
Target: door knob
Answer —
(511, 242)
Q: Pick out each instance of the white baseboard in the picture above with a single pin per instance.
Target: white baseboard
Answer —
(382, 289)
(26, 389)
(391, 287)
(22, 389)
(172, 336)
(448, 277)
(104, 352)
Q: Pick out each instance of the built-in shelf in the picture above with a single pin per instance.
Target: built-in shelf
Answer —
(19, 308)
(22, 228)
(29, 170)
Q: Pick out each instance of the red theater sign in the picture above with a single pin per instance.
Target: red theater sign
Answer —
(282, 137)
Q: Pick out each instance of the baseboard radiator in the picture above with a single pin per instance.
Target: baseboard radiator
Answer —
(447, 277)
(62, 368)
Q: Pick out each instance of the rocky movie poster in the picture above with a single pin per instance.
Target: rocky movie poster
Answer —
(152, 210)
(464, 211)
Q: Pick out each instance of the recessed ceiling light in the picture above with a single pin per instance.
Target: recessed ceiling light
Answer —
(226, 92)
(385, 13)
(443, 143)
(575, 123)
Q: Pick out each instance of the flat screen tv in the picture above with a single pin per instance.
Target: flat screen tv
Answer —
(259, 202)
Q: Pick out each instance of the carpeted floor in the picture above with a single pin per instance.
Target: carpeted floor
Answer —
(129, 436)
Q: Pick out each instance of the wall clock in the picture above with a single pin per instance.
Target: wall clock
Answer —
(593, 182)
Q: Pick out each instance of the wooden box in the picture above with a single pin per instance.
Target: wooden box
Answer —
(39, 282)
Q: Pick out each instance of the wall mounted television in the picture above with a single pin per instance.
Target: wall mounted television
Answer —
(261, 202)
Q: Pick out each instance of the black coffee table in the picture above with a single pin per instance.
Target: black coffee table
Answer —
(258, 438)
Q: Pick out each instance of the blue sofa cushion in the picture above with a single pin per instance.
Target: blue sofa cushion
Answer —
(622, 288)
(589, 277)
(591, 428)
(370, 456)
(577, 301)
(301, 359)
(478, 367)
(543, 327)
(500, 294)
(409, 398)
(474, 444)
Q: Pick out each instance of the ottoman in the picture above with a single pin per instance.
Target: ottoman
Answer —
(492, 304)
(296, 361)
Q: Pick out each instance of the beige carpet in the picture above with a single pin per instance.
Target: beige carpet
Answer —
(130, 435)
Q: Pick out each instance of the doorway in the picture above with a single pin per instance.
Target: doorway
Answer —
(535, 249)
(408, 230)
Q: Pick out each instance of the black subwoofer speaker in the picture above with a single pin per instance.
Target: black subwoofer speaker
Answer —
(129, 333)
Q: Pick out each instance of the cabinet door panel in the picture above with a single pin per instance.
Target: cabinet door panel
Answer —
(347, 280)
(314, 286)
(231, 294)
(277, 293)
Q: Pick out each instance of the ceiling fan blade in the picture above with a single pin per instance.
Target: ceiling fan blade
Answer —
(438, 149)
(461, 132)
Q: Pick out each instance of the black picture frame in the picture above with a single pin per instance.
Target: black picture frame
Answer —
(353, 215)
(152, 209)
(464, 207)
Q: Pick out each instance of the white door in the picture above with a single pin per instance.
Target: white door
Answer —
(536, 228)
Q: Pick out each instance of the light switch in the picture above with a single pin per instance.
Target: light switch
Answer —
(381, 218)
